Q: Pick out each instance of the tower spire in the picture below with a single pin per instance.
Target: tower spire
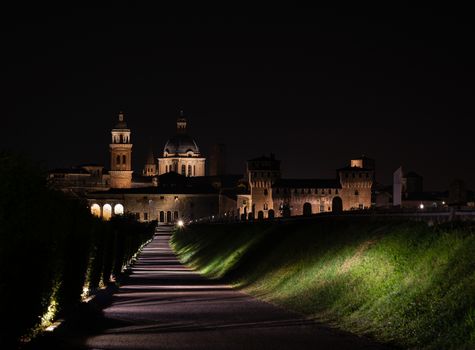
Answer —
(181, 123)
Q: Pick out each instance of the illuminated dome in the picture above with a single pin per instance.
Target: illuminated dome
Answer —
(181, 144)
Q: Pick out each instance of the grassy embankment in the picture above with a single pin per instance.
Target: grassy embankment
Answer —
(401, 283)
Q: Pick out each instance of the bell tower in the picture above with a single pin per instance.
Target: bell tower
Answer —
(121, 155)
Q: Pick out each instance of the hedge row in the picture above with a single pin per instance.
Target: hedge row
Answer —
(51, 247)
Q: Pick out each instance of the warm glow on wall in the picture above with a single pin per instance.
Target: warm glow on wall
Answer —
(96, 210)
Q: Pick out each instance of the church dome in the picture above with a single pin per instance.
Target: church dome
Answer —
(181, 144)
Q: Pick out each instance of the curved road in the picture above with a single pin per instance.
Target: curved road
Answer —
(164, 305)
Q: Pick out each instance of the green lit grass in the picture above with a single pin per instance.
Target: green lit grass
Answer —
(401, 283)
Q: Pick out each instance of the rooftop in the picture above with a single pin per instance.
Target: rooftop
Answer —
(307, 183)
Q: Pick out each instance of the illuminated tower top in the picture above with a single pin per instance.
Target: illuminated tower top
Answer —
(121, 155)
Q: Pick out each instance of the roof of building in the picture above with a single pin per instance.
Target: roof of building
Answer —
(181, 143)
(224, 181)
(91, 165)
(169, 183)
(307, 183)
(137, 177)
(163, 189)
(69, 171)
(354, 168)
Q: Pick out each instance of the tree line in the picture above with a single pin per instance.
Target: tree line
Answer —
(52, 250)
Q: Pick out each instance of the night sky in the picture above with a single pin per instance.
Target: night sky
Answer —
(314, 86)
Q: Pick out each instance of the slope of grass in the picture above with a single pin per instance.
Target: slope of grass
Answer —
(402, 283)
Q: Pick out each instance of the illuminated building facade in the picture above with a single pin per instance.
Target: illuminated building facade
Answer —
(175, 185)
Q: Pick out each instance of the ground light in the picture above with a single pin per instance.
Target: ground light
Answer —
(181, 223)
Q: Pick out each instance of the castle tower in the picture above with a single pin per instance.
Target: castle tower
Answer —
(356, 182)
(150, 168)
(217, 160)
(262, 173)
(121, 155)
(181, 153)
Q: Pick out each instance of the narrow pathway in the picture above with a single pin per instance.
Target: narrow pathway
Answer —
(164, 305)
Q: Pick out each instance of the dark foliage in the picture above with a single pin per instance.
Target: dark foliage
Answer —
(51, 246)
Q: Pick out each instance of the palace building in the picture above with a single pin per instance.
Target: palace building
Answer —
(176, 186)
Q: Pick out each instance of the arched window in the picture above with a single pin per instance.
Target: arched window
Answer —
(162, 216)
(265, 192)
(183, 169)
(307, 209)
(124, 159)
(117, 160)
(194, 170)
(175, 216)
(106, 211)
(169, 216)
(337, 205)
(119, 209)
(356, 193)
(121, 138)
(166, 168)
(189, 170)
(96, 210)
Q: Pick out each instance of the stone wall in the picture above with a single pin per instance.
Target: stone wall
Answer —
(320, 200)
(148, 207)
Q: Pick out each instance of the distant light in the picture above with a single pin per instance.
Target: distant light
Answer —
(443, 202)
(53, 326)
(421, 206)
(181, 223)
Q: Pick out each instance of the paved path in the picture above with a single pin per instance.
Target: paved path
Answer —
(164, 305)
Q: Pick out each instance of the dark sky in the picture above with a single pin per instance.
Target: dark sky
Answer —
(314, 86)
